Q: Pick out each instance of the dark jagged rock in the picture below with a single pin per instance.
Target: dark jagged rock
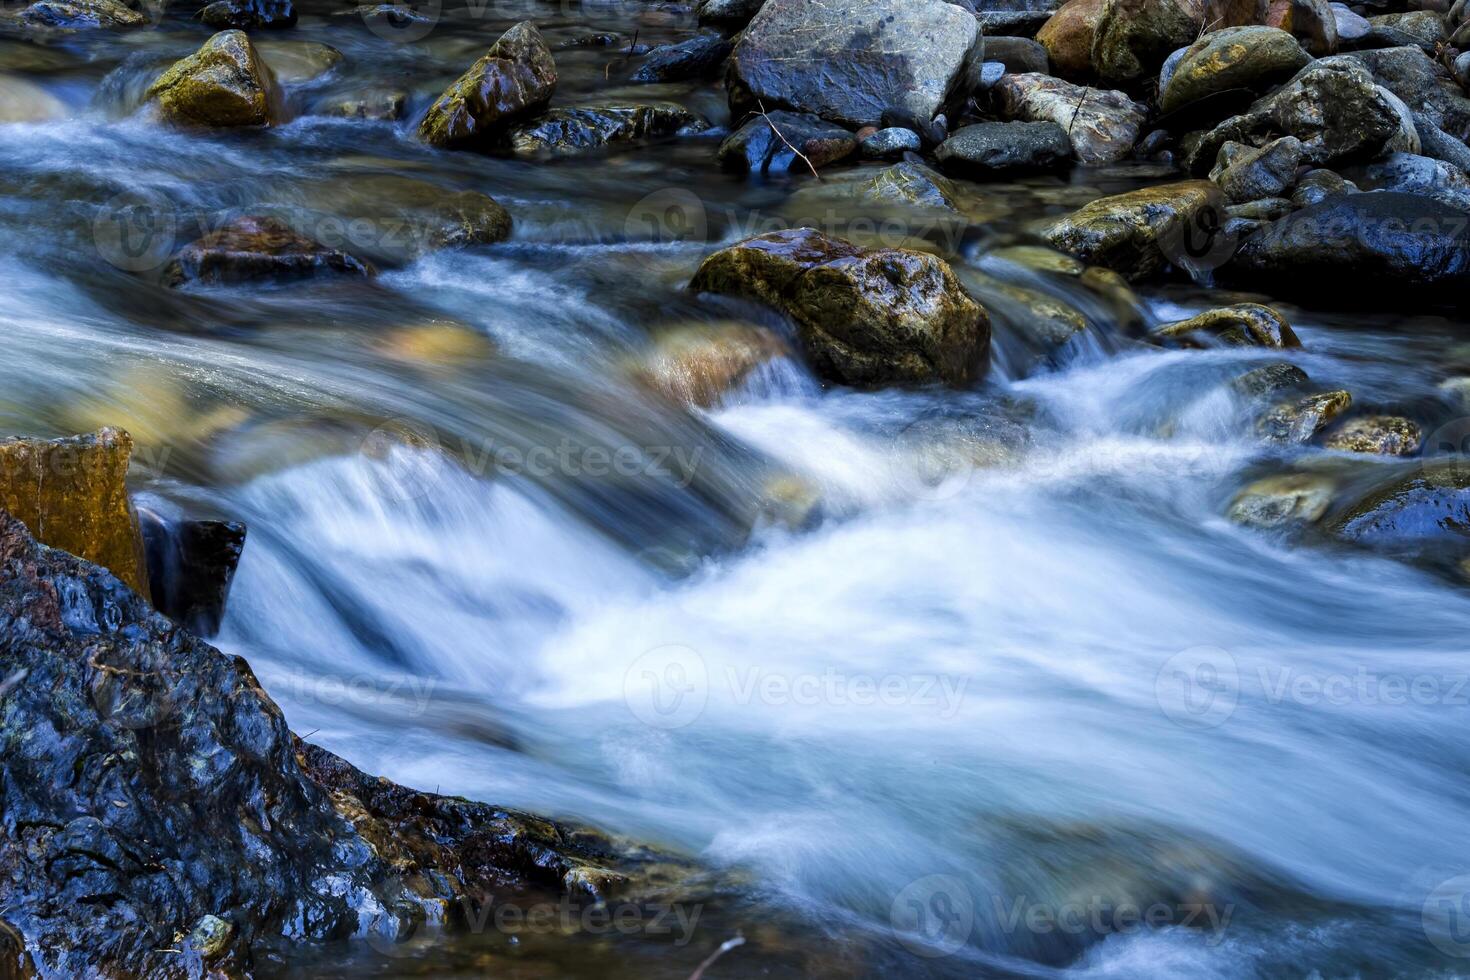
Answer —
(728, 14)
(864, 317)
(1423, 512)
(583, 129)
(255, 249)
(1383, 246)
(249, 14)
(158, 810)
(1014, 18)
(852, 61)
(1421, 82)
(996, 148)
(698, 57)
(769, 143)
(515, 79)
(1247, 173)
(191, 565)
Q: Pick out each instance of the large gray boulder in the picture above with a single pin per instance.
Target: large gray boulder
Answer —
(852, 61)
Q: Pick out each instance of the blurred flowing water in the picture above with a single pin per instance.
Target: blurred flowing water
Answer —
(946, 721)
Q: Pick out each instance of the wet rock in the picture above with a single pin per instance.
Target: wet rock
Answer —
(515, 78)
(1423, 28)
(1135, 36)
(1134, 233)
(174, 758)
(1018, 55)
(258, 249)
(1103, 126)
(1299, 420)
(1333, 106)
(864, 317)
(191, 565)
(394, 219)
(912, 184)
(698, 57)
(1262, 209)
(583, 129)
(1435, 142)
(1068, 37)
(1316, 186)
(294, 62)
(248, 14)
(1271, 379)
(1351, 26)
(61, 16)
(852, 61)
(769, 143)
(74, 493)
(996, 148)
(436, 345)
(223, 84)
(23, 101)
(1241, 325)
(1423, 511)
(1283, 501)
(700, 364)
(1311, 22)
(890, 142)
(1421, 82)
(1014, 18)
(1246, 173)
(728, 14)
(1235, 58)
(1386, 435)
(376, 106)
(1385, 245)
(1222, 14)
(1411, 174)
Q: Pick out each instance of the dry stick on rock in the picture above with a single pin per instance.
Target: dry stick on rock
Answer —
(1077, 111)
(772, 123)
(725, 947)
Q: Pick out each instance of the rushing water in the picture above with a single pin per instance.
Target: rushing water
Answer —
(922, 710)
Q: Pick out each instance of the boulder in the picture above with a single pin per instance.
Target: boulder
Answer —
(153, 792)
(1017, 55)
(74, 493)
(1384, 435)
(1351, 26)
(996, 148)
(223, 84)
(1423, 28)
(1014, 18)
(1068, 37)
(1235, 58)
(1223, 14)
(1420, 511)
(1300, 419)
(1241, 325)
(1316, 186)
(515, 79)
(294, 62)
(1135, 36)
(1133, 233)
(1384, 247)
(1248, 173)
(1413, 174)
(700, 364)
(699, 57)
(583, 129)
(1312, 22)
(1271, 379)
(1420, 81)
(62, 16)
(1103, 126)
(852, 61)
(769, 143)
(248, 14)
(191, 564)
(258, 249)
(864, 317)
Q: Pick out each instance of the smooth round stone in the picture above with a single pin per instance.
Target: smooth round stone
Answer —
(1350, 26)
(890, 142)
(990, 74)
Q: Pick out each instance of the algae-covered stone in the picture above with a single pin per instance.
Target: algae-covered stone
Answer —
(515, 78)
(583, 129)
(255, 249)
(224, 83)
(1385, 435)
(1300, 420)
(1102, 125)
(864, 317)
(210, 937)
(1234, 58)
(62, 16)
(913, 184)
(1134, 233)
(1283, 500)
(1268, 380)
(1135, 36)
(1242, 325)
(72, 494)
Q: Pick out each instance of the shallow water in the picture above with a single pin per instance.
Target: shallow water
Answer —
(952, 721)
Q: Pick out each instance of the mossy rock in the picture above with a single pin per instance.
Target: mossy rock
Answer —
(515, 78)
(223, 84)
(1138, 233)
(1384, 435)
(1241, 325)
(1233, 58)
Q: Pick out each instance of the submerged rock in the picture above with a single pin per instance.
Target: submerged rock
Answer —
(775, 142)
(996, 148)
(151, 785)
(1103, 126)
(864, 317)
(1387, 435)
(1234, 58)
(913, 184)
(583, 129)
(514, 79)
(852, 61)
(1135, 233)
(1283, 501)
(74, 493)
(1242, 325)
(248, 14)
(1422, 511)
(224, 83)
(1300, 420)
(702, 363)
(697, 57)
(255, 249)
(394, 219)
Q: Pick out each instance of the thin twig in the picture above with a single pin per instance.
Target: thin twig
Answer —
(1078, 111)
(772, 123)
(725, 947)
